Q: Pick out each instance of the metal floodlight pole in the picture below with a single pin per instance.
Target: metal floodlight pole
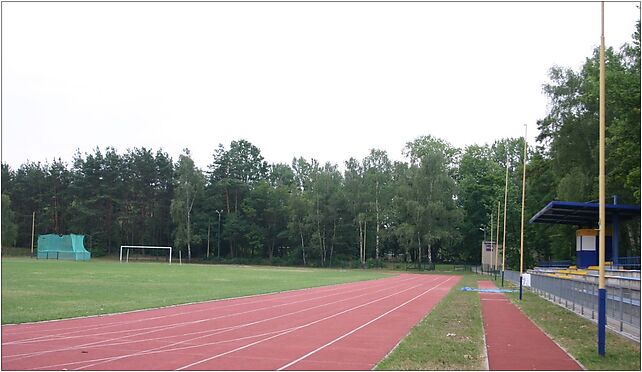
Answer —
(491, 238)
(601, 317)
(521, 239)
(504, 239)
(497, 243)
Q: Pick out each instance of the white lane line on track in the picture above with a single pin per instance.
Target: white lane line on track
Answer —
(157, 349)
(10, 328)
(296, 292)
(290, 331)
(49, 338)
(281, 333)
(101, 343)
(79, 329)
(107, 359)
(185, 341)
(358, 328)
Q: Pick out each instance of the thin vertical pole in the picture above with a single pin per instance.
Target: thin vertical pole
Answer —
(33, 230)
(219, 234)
(492, 265)
(209, 224)
(601, 314)
(615, 238)
(483, 248)
(497, 240)
(521, 239)
(504, 239)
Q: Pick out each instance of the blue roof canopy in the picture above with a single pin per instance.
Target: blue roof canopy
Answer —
(582, 214)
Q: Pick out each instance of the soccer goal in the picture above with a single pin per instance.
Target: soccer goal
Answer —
(138, 251)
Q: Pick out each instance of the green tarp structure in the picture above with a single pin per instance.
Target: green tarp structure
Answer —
(62, 247)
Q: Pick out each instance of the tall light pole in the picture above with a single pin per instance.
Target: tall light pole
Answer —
(601, 313)
(497, 241)
(521, 240)
(504, 239)
(491, 241)
(484, 230)
(219, 232)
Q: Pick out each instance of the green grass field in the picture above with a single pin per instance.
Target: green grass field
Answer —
(35, 290)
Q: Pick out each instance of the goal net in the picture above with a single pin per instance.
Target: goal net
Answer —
(146, 253)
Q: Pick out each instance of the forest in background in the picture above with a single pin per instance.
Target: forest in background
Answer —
(429, 207)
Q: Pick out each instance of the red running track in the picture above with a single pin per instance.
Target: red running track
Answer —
(513, 342)
(340, 327)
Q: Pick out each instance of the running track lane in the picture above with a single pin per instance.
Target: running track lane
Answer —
(514, 342)
(347, 327)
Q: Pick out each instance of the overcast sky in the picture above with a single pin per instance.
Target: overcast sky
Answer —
(322, 80)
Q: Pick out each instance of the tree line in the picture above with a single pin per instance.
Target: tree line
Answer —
(429, 207)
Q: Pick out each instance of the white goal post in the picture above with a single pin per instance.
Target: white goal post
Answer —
(128, 247)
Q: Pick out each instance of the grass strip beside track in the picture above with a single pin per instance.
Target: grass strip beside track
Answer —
(34, 290)
(450, 337)
(578, 336)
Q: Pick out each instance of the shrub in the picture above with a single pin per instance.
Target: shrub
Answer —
(374, 263)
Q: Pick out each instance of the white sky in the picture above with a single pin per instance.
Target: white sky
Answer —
(322, 80)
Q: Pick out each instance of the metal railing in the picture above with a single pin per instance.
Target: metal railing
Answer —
(484, 269)
(512, 276)
(509, 275)
(559, 263)
(632, 262)
(622, 307)
(54, 253)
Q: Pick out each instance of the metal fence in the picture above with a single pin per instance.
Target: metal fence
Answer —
(622, 306)
(558, 263)
(485, 269)
(509, 275)
(512, 276)
(632, 262)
